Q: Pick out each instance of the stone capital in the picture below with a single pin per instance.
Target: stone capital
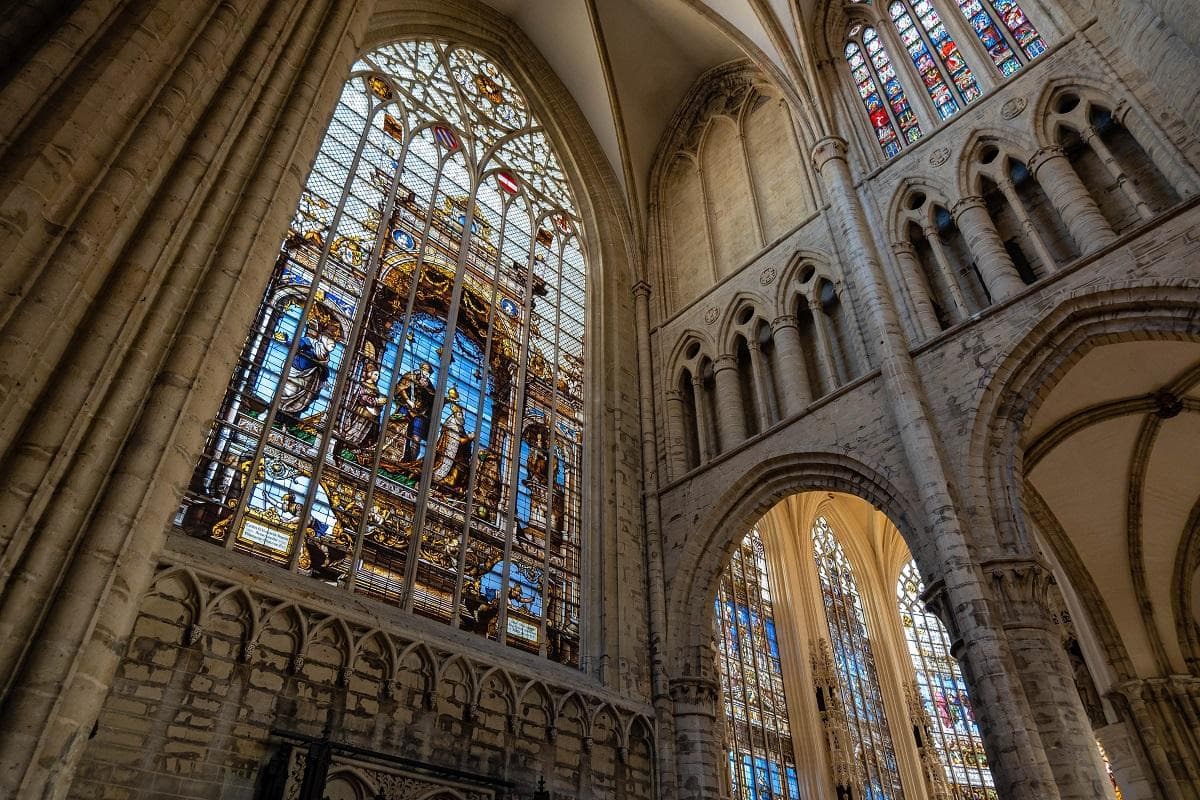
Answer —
(1024, 592)
(1043, 155)
(673, 396)
(784, 321)
(904, 248)
(696, 691)
(640, 290)
(727, 361)
(828, 148)
(964, 204)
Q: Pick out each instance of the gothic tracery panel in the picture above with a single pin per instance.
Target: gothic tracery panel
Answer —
(943, 692)
(761, 757)
(416, 364)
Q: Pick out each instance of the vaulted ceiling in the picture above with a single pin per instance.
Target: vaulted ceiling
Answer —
(629, 63)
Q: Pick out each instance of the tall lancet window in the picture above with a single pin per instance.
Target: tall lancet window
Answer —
(999, 39)
(416, 363)
(943, 693)
(873, 73)
(870, 737)
(762, 763)
(918, 41)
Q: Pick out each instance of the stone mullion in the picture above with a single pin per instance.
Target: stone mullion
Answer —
(1092, 139)
(1049, 263)
(80, 641)
(1025, 590)
(914, 283)
(789, 361)
(995, 265)
(949, 273)
(56, 276)
(731, 415)
(1070, 197)
(31, 472)
(1013, 746)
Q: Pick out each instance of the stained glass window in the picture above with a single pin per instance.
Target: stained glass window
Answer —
(874, 753)
(871, 67)
(416, 363)
(762, 762)
(994, 41)
(947, 54)
(943, 693)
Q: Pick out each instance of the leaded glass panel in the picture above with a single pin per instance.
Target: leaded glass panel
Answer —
(854, 659)
(943, 693)
(947, 52)
(416, 363)
(761, 759)
(870, 68)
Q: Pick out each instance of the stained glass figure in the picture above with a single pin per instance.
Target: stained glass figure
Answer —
(943, 693)
(871, 67)
(874, 753)
(405, 420)
(762, 762)
(998, 46)
(933, 34)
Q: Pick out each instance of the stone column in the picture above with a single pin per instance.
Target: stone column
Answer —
(1091, 138)
(824, 346)
(1009, 731)
(698, 747)
(1161, 714)
(995, 265)
(706, 436)
(1075, 205)
(178, 220)
(762, 382)
(655, 578)
(730, 414)
(793, 373)
(950, 271)
(1025, 590)
(913, 279)
(1031, 230)
(676, 433)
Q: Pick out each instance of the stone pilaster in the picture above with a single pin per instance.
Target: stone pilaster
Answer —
(793, 372)
(731, 415)
(1026, 595)
(1075, 205)
(995, 265)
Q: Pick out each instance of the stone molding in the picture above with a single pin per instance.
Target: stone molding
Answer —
(1024, 590)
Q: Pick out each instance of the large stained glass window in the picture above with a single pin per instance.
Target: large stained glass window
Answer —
(761, 759)
(871, 68)
(874, 753)
(944, 100)
(997, 44)
(943, 693)
(405, 420)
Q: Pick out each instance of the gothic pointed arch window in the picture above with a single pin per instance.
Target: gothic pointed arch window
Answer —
(854, 660)
(873, 73)
(405, 420)
(1004, 31)
(943, 693)
(762, 761)
(922, 42)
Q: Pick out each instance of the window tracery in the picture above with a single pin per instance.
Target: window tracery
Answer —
(943, 692)
(416, 363)
(983, 21)
(761, 757)
(871, 67)
(854, 659)
(918, 42)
